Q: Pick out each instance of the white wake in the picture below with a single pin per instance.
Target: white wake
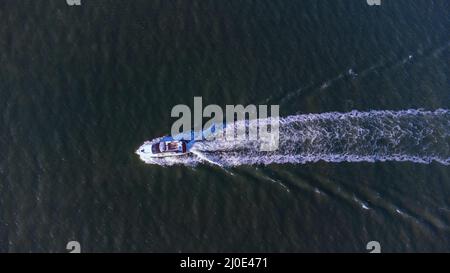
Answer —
(409, 135)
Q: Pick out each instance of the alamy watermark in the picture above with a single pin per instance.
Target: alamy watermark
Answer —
(259, 126)
(373, 2)
(78, 2)
(373, 247)
(73, 2)
(74, 247)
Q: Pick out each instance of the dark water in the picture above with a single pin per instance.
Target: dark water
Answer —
(82, 87)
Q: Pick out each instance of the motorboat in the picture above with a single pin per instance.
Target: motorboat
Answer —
(164, 148)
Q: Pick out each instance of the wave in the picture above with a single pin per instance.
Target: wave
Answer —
(412, 135)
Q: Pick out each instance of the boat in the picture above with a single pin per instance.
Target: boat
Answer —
(168, 146)
(164, 148)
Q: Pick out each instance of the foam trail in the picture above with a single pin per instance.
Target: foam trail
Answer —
(408, 135)
(203, 157)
